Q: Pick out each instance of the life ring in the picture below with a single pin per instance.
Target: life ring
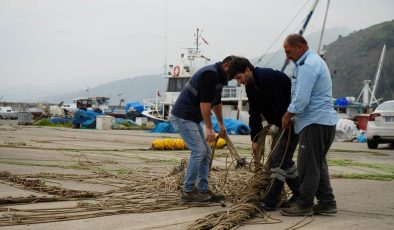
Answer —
(176, 71)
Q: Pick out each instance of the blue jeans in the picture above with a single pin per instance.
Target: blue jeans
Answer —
(193, 135)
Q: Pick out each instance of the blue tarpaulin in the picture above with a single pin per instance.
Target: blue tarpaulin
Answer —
(85, 119)
(232, 127)
(163, 127)
(341, 102)
(59, 120)
(135, 106)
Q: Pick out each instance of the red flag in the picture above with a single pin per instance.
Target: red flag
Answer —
(158, 93)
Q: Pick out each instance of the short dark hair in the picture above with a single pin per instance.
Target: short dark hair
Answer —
(294, 39)
(238, 65)
(228, 59)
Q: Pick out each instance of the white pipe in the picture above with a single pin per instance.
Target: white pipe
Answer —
(366, 92)
(375, 85)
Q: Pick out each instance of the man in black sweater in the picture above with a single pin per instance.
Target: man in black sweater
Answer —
(269, 96)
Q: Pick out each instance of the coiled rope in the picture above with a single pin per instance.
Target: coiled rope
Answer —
(246, 204)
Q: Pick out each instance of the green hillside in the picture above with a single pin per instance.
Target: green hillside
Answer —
(355, 58)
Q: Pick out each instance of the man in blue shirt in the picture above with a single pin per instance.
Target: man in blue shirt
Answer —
(314, 119)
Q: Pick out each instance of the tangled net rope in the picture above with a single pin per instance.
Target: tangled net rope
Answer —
(245, 205)
(138, 192)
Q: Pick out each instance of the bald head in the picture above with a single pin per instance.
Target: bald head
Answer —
(294, 39)
(295, 46)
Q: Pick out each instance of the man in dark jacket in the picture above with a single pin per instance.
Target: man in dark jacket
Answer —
(269, 96)
(194, 104)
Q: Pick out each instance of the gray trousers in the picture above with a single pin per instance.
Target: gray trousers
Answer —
(314, 143)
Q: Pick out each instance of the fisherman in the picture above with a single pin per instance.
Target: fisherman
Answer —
(268, 94)
(314, 118)
(194, 104)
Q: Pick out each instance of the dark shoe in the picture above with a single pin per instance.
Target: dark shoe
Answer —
(195, 197)
(214, 197)
(295, 210)
(267, 208)
(290, 202)
(325, 208)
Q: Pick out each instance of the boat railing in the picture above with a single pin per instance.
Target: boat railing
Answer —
(233, 92)
(229, 91)
(149, 104)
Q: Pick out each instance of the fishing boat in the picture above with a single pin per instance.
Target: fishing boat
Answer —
(8, 113)
(158, 109)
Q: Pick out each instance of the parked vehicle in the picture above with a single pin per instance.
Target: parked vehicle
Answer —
(8, 113)
(380, 126)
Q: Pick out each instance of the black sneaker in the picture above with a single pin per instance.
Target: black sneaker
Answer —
(325, 208)
(265, 207)
(295, 210)
(195, 197)
(214, 197)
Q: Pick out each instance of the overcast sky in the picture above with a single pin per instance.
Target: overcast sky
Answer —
(80, 43)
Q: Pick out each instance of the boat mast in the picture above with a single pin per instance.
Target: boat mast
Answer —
(324, 26)
(375, 85)
(302, 30)
(165, 38)
(197, 39)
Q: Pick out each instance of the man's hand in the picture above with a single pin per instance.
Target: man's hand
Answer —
(286, 120)
(222, 131)
(273, 130)
(209, 134)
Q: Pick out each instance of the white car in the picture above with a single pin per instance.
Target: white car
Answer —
(380, 126)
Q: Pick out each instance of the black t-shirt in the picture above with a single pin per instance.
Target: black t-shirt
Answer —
(207, 84)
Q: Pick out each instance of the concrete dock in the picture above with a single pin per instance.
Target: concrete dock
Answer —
(362, 179)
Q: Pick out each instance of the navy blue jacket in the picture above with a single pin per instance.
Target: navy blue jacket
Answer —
(269, 96)
(187, 105)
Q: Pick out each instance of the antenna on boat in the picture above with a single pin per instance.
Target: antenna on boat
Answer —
(198, 36)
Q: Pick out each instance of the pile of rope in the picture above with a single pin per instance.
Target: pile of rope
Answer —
(245, 205)
(40, 186)
(138, 192)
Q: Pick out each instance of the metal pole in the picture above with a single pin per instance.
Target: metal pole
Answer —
(377, 76)
(324, 25)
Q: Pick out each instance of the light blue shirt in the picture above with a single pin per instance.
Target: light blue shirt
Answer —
(311, 93)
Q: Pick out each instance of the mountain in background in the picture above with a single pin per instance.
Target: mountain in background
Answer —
(351, 57)
(130, 89)
(355, 58)
(142, 87)
(276, 59)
